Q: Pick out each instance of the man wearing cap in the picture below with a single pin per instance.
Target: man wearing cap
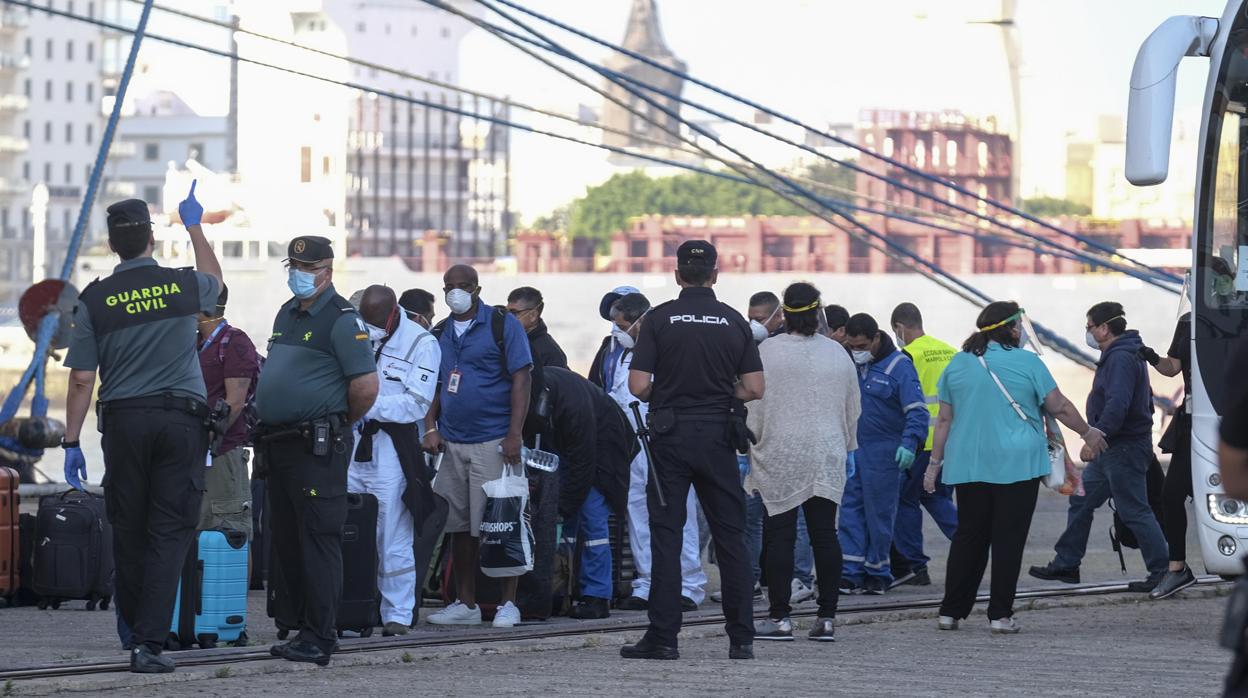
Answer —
(610, 371)
(693, 355)
(137, 329)
(319, 379)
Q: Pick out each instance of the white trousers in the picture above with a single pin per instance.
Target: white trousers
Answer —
(396, 566)
(693, 578)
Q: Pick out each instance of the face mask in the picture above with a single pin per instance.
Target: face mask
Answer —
(758, 330)
(1091, 340)
(302, 283)
(459, 301)
(862, 358)
(375, 333)
(901, 341)
(622, 337)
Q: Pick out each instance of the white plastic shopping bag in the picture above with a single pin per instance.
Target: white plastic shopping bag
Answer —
(506, 536)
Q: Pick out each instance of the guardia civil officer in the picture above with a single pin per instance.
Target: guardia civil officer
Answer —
(693, 356)
(319, 379)
(137, 328)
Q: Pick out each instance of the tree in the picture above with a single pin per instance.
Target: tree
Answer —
(1050, 206)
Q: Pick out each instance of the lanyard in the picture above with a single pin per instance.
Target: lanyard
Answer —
(456, 338)
(212, 337)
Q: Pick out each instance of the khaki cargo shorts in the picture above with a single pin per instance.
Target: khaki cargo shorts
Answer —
(465, 467)
(227, 496)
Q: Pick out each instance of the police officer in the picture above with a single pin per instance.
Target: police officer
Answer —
(693, 356)
(137, 328)
(319, 379)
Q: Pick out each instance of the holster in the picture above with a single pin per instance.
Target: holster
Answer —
(661, 421)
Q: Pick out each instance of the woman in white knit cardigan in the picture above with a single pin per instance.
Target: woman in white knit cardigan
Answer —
(806, 426)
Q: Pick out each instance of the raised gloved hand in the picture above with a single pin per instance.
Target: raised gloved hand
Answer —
(1147, 354)
(905, 458)
(190, 210)
(75, 467)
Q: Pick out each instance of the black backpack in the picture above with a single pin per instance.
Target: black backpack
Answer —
(1120, 534)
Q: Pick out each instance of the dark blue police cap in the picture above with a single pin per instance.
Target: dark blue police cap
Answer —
(696, 253)
(309, 249)
(128, 214)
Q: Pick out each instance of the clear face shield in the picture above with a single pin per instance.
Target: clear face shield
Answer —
(1185, 300)
(1027, 337)
(821, 317)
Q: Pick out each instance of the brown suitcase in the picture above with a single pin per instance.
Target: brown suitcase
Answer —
(10, 533)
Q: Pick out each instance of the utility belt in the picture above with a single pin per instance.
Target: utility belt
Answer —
(320, 434)
(167, 402)
(663, 421)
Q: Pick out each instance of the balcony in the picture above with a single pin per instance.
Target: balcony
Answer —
(13, 21)
(11, 62)
(13, 103)
(10, 145)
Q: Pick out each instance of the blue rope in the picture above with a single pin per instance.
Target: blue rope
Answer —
(1150, 276)
(968, 292)
(830, 136)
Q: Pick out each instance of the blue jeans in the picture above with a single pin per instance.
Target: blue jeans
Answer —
(591, 525)
(754, 515)
(908, 530)
(803, 554)
(1120, 472)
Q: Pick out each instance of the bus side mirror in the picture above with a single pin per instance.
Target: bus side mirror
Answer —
(1150, 107)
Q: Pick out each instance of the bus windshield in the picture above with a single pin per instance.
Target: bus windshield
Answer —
(1221, 283)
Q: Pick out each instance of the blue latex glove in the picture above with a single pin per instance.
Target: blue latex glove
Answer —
(905, 458)
(75, 467)
(851, 465)
(190, 210)
(743, 464)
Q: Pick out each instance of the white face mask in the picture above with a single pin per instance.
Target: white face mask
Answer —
(622, 337)
(376, 334)
(901, 339)
(459, 301)
(758, 330)
(862, 358)
(1087, 337)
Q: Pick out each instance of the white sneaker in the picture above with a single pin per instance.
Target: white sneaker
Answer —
(947, 623)
(1005, 626)
(507, 616)
(800, 592)
(457, 614)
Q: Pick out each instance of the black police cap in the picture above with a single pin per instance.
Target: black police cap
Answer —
(128, 214)
(696, 253)
(309, 249)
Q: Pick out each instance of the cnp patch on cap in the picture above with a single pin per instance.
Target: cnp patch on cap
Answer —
(128, 214)
(309, 248)
(696, 253)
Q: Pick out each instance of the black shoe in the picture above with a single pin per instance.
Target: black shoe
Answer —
(1054, 573)
(741, 651)
(145, 661)
(1145, 586)
(590, 608)
(687, 605)
(875, 586)
(633, 603)
(1173, 583)
(644, 649)
(301, 651)
(391, 629)
(850, 588)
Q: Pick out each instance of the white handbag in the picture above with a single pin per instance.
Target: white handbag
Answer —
(1057, 451)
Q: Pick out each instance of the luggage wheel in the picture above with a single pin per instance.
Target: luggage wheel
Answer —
(207, 642)
(56, 605)
(42, 604)
(104, 601)
(242, 640)
(366, 632)
(90, 604)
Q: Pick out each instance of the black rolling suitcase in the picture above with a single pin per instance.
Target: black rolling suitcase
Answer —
(73, 550)
(359, 609)
(535, 589)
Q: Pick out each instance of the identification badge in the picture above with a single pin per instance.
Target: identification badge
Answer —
(452, 383)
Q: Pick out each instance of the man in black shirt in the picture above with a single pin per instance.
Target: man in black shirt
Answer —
(526, 304)
(693, 356)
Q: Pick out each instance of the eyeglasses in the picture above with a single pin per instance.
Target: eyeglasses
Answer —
(520, 311)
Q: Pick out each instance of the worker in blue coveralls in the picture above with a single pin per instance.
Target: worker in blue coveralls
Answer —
(891, 430)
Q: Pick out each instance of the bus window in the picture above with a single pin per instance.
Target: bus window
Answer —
(1228, 231)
